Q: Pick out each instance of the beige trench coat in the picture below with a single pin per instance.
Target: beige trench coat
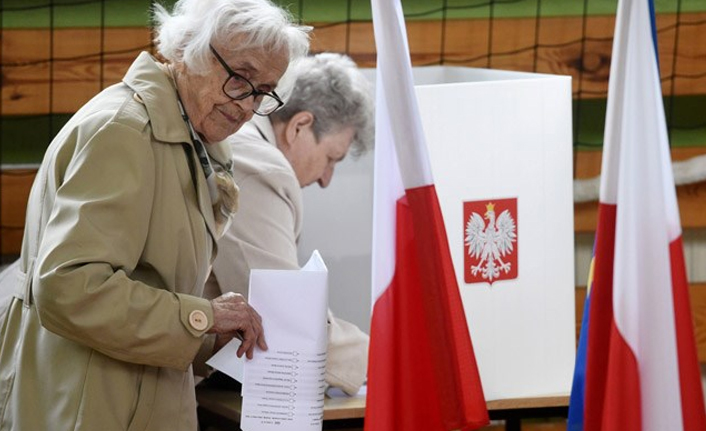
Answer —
(103, 328)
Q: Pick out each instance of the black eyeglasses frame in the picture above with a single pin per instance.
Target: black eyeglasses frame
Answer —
(253, 91)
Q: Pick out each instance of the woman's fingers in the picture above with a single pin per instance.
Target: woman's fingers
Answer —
(259, 330)
(234, 316)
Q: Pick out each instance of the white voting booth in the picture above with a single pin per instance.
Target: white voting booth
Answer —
(498, 142)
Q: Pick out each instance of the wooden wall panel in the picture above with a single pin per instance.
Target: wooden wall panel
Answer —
(697, 296)
(77, 76)
(14, 190)
(692, 209)
(691, 197)
(511, 41)
(77, 68)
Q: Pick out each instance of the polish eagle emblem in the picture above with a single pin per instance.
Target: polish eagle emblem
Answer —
(490, 242)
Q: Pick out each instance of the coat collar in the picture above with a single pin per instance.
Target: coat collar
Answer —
(155, 90)
(265, 129)
(157, 93)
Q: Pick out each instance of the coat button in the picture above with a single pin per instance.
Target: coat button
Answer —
(198, 320)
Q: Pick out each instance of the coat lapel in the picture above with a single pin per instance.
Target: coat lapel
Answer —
(204, 198)
(153, 87)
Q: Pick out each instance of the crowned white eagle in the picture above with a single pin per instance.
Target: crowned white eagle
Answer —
(491, 242)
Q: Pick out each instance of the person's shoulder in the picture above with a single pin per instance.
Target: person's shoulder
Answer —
(253, 155)
(246, 135)
(116, 105)
(112, 121)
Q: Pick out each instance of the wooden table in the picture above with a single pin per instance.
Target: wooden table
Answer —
(221, 408)
(513, 410)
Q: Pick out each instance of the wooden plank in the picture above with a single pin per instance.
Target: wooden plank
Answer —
(534, 425)
(511, 41)
(14, 191)
(587, 164)
(697, 296)
(691, 197)
(692, 207)
(27, 73)
(529, 403)
(32, 84)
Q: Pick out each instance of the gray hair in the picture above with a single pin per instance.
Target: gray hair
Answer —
(331, 87)
(185, 34)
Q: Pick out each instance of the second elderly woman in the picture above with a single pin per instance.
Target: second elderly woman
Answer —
(122, 222)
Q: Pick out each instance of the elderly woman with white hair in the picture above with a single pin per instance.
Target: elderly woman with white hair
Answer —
(106, 315)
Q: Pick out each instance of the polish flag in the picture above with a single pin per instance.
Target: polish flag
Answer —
(641, 370)
(422, 373)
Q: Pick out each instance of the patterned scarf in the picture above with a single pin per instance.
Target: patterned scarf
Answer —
(219, 176)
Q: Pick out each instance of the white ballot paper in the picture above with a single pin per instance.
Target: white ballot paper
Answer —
(227, 361)
(283, 388)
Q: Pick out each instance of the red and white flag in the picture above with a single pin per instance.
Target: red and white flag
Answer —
(422, 373)
(641, 364)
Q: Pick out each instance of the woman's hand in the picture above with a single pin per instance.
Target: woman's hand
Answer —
(233, 317)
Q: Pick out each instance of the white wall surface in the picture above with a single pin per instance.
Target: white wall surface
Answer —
(338, 222)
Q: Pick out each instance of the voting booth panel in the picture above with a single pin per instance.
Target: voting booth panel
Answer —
(501, 155)
(500, 148)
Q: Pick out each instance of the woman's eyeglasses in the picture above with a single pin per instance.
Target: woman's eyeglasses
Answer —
(237, 87)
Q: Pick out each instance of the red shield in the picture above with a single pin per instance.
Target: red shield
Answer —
(490, 240)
